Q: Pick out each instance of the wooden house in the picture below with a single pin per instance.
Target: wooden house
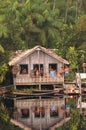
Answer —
(37, 72)
(37, 66)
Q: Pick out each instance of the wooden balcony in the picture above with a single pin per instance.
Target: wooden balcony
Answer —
(27, 80)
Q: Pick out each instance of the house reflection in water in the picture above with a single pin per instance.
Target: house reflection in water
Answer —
(32, 112)
(37, 72)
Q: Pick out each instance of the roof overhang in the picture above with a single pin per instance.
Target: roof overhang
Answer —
(26, 53)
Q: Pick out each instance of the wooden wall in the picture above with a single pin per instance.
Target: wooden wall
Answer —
(39, 57)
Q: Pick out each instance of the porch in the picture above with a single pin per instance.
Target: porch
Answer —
(27, 80)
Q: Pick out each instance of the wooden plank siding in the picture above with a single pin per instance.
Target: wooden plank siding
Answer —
(26, 80)
(37, 57)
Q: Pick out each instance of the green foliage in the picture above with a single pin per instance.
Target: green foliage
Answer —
(80, 24)
(5, 120)
(76, 122)
(50, 23)
(64, 40)
(71, 76)
(82, 122)
(3, 69)
(71, 55)
(74, 119)
(1, 49)
(3, 65)
(3, 114)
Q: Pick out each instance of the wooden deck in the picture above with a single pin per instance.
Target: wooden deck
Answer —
(26, 80)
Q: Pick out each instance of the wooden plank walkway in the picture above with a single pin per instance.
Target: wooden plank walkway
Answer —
(19, 124)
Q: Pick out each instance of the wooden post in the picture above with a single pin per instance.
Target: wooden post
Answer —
(40, 114)
(78, 79)
(80, 97)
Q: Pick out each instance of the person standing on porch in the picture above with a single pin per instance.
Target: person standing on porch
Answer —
(61, 72)
(41, 72)
(66, 73)
(51, 71)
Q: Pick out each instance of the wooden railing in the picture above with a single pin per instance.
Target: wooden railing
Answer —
(26, 80)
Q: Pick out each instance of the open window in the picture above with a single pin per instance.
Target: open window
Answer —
(53, 70)
(53, 66)
(38, 70)
(39, 111)
(54, 111)
(38, 66)
(25, 113)
(24, 69)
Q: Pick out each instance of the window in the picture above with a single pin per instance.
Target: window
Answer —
(38, 66)
(38, 70)
(23, 69)
(39, 111)
(53, 66)
(53, 70)
(54, 111)
(25, 113)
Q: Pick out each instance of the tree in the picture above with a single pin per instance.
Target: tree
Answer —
(28, 23)
(71, 55)
(64, 40)
(79, 39)
(5, 120)
(43, 26)
(73, 123)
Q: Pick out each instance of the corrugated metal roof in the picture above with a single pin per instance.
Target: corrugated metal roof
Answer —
(20, 55)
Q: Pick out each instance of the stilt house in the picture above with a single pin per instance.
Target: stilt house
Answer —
(37, 66)
(36, 71)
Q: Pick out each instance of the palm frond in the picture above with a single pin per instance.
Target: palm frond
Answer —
(42, 37)
(1, 49)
